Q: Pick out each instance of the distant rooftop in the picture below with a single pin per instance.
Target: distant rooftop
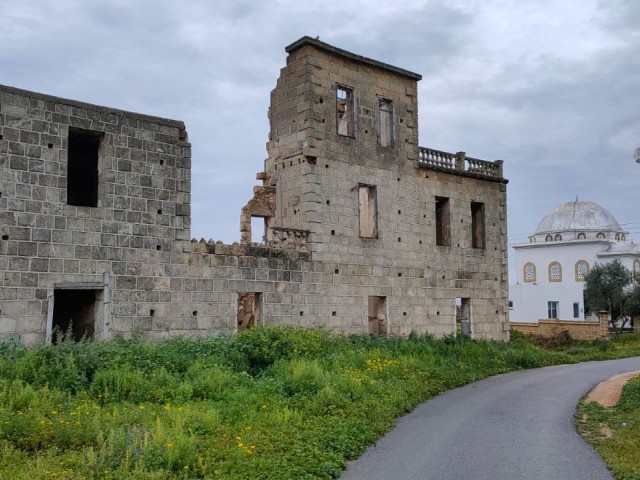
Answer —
(314, 42)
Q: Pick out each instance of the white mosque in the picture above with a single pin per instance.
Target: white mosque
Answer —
(551, 268)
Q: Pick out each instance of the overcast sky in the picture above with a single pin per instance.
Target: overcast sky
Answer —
(551, 87)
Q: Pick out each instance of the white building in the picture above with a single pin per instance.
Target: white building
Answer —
(551, 268)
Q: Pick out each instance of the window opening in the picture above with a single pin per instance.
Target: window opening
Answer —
(368, 211)
(581, 236)
(74, 314)
(477, 225)
(548, 238)
(558, 237)
(258, 229)
(249, 309)
(463, 316)
(552, 310)
(600, 235)
(576, 310)
(529, 272)
(555, 272)
(82, 167)
(385, 122)
(443, 225)
(344, 111)
(582, 270)
(377, 315)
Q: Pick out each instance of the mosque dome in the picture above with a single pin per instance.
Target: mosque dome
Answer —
(578, 216)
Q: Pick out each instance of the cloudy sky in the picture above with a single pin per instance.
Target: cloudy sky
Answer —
(551, 87)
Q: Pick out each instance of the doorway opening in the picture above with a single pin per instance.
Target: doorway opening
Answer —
(378, 316)
(463, 316)
(74, 314)
(249, 309)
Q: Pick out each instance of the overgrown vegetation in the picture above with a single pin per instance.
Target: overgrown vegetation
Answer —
(615, 432)
(270, 403)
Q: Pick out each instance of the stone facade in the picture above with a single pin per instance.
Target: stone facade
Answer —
(365, 231)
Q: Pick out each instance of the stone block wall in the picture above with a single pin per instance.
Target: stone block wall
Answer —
(128, 258)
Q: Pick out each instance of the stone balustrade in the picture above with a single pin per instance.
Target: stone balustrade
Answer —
(459, 163)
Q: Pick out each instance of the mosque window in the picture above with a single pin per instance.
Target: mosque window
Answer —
(623, 237)
(529, 272)
(582, 270)
(581, 236)
(600, 235)
(548, 238)
(617, 237)
(558, 237)
(555, 272)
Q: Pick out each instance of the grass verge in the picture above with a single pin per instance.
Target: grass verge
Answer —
(270, 403)
(615, 432)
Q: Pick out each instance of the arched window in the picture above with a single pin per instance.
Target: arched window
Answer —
(581, 236)
(600, 235)
(636, 267)
(555, 272)
(529, 272)
(582, 270)
(623, 237)
(618, 237)
(548, 238)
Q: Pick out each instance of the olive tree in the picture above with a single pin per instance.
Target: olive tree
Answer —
(612, 287)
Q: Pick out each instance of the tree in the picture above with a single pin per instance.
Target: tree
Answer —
(612, 287)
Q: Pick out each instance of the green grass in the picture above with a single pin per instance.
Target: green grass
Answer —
(270, 403)
(615, 432)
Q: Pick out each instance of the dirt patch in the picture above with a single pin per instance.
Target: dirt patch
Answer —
(608, 392)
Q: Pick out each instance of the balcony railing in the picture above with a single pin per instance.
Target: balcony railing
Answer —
(288, 238)
(458, 163)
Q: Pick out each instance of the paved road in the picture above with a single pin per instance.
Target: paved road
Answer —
(513, 426)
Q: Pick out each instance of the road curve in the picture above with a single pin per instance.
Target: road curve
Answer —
(513, 426)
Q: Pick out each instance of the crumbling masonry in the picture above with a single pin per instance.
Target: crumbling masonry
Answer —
(365, 231)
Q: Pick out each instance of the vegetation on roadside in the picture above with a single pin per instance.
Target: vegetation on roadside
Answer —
(615, 432)
(274, 402)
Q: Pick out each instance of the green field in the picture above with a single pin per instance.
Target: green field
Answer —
(270, 403)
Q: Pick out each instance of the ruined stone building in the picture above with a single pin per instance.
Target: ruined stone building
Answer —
(365, 231)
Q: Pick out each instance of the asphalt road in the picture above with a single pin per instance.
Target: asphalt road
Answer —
(513, 426)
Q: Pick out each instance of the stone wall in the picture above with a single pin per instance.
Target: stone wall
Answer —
(578, 330)
(126, 263)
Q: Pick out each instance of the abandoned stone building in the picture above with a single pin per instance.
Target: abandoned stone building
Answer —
(365, 231)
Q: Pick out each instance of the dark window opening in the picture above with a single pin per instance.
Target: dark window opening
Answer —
(443, 229)
(385, 122)
(74, 313)
(477, 225)
(377, 315)
(576, 310)
(249, 309)
(344, 111)
(82, 169)
(368, 211)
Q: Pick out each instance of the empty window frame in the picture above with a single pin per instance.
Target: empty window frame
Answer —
(477, 225)
(552, 310)
(385, 122)
(82, 167)
(344, 111)
(368, 211)
(443, 222)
